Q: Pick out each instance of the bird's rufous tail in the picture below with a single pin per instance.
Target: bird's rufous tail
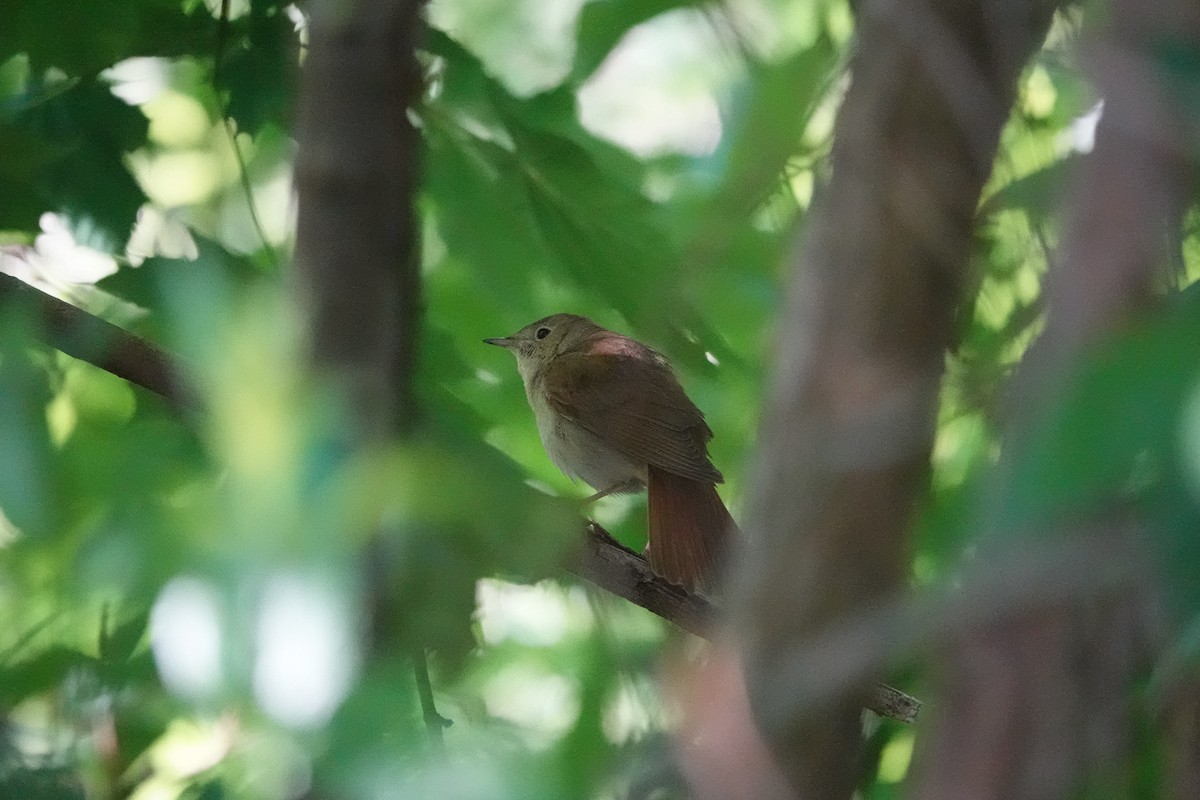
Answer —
(690, 530)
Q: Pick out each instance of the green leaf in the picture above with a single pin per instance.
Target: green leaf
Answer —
(28, 479)
(1174, 508)
(767, 122)
(1114, 427)
(607, 238)
(259, 70)
(483, 216)
(82, 37)
(212, 789)
(543, 196)
(764, 128)
(1038, 193)
(26, 157)
(118, 644)
(379, 724)
(159, 284)
(44, 671)
(85, 134)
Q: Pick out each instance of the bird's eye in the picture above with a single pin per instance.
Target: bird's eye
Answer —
(542, 333)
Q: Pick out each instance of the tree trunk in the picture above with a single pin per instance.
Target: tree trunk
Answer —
(871, 311)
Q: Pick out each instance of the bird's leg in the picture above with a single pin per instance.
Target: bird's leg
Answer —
(631, 485)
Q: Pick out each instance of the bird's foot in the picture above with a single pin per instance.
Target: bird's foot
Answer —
(631, 485)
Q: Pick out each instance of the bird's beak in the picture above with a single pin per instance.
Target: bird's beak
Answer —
(501, 342)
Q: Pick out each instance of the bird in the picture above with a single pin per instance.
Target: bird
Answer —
(611, 412)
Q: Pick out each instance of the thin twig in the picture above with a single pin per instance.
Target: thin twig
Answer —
(222, 38)
(248, 190)
(26, 636)
(435, 723)
(227, 126)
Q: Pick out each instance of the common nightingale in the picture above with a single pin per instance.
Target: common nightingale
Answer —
(611, 412)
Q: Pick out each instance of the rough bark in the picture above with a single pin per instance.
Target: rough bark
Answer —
(870, 313)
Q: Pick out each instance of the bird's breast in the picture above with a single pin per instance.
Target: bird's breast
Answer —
(578, 452)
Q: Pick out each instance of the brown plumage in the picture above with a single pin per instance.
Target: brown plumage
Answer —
(610, 411)
(689, 529)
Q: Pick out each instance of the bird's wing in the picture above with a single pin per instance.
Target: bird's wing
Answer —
(603, 389)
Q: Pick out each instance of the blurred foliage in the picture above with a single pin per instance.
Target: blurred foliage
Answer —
(183, 598)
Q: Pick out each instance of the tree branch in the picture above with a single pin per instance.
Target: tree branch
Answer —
(100, 343)
(615, 568)
(602, 560)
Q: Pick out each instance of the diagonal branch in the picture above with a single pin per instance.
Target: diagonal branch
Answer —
(100, 343)
(615, 568)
